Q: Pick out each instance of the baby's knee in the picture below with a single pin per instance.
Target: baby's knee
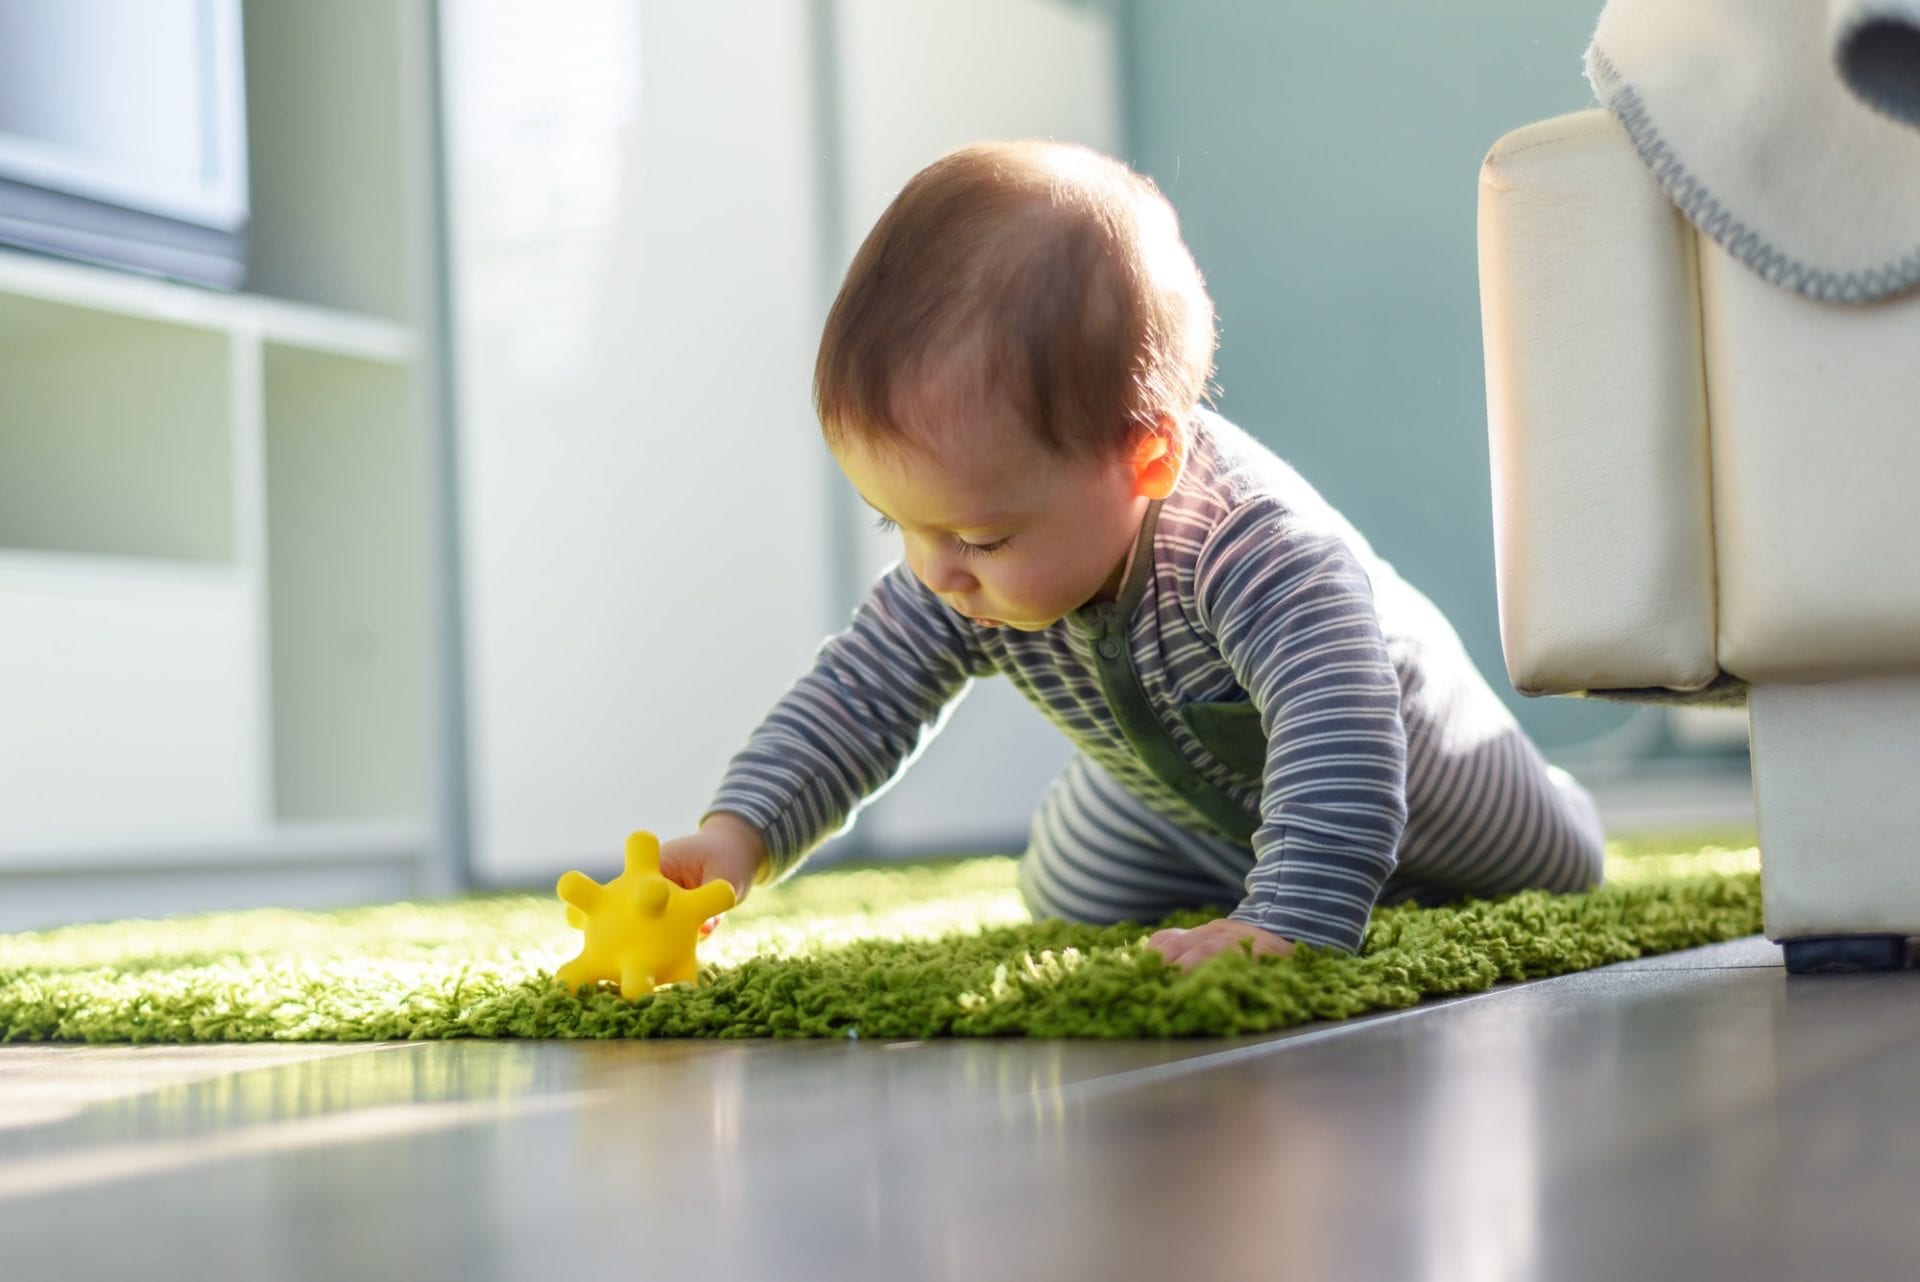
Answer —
(1039, 905)
(1589, 868)
(1585, 841)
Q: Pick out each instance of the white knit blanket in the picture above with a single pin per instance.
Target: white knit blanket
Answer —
(1787, 130)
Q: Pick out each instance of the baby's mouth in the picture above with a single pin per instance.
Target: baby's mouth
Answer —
(974, 616)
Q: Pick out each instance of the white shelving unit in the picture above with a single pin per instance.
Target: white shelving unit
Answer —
(217, 515)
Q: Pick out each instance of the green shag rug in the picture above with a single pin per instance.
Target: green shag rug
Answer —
(933, 950)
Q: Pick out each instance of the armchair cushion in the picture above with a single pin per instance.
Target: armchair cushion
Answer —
(1816, 477)
(1597, 412)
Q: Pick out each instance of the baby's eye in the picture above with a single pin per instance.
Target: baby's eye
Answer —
(980, 549)
(885, 524)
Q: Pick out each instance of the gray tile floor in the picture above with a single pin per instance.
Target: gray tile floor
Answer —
(1694, 1116)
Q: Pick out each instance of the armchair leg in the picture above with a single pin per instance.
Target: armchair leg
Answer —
(1842, 954)
(1834, 770)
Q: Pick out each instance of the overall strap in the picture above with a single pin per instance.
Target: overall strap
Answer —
(1106, 624)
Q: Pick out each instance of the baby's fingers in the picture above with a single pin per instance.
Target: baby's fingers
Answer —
(1171, 943)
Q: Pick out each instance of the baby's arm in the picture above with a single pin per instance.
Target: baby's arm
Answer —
(846, 727)
(1292, 612)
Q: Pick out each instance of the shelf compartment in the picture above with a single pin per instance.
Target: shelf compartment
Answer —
(131, 712)
(118, 435)
(348, 589)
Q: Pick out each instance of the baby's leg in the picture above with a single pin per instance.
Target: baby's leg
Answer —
(1492, 817)
(1486, 814)
(1098, 855)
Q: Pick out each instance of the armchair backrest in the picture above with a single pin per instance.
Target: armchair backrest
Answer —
(1694, 472)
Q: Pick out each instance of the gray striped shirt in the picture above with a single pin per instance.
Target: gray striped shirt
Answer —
(1259, 591)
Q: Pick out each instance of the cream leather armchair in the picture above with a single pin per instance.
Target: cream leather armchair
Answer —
(1708, 488)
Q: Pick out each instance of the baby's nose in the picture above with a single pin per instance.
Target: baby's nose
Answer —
(949, 578)
(943, 572)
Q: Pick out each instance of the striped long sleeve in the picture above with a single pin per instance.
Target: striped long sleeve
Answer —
(1294, 619)
(875, 695)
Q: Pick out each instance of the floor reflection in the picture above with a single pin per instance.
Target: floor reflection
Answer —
(110, 1114)
(42, 1084)
(1634, 1123)
(1476, 1185)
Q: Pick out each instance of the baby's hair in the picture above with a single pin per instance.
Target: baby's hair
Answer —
(1037, 276)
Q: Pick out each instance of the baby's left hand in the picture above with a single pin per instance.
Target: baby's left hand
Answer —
(1188, 948)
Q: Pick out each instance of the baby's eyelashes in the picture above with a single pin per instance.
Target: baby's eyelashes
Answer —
(887, 525)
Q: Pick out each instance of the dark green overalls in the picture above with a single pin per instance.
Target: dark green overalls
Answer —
(1230, 731)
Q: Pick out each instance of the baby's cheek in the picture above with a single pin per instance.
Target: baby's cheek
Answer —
(1014, 587)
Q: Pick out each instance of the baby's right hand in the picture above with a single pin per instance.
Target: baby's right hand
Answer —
(726, 846)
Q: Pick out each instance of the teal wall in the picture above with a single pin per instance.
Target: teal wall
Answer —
(1324, 159)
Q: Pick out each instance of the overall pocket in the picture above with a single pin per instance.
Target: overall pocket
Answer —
(1231, 732)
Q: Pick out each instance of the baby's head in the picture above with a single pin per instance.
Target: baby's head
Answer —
(1009, 369)
(1040, 278)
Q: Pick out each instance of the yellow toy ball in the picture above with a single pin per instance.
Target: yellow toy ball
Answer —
(641, 929)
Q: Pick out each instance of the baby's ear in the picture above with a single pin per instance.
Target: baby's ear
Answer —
(1158, 453)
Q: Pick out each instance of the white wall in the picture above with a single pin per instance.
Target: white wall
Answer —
(654, 539)
(634, 275)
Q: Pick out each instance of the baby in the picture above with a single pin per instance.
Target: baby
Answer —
(1267, 719)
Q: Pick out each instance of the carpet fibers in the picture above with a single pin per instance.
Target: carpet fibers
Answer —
(933, 950)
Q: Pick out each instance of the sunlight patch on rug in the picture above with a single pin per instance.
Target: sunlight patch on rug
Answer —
(928, 950)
